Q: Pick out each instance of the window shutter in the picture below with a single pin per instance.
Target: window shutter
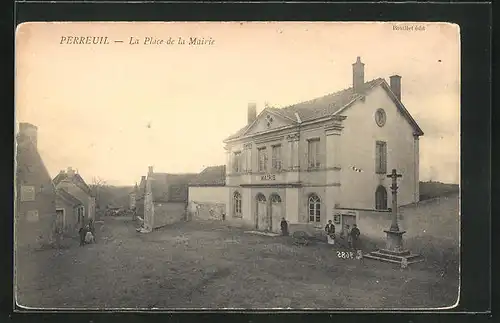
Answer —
(384, 158)
(27, 193)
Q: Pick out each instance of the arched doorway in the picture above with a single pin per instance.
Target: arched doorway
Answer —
(261, 216)
(237, 205)
(381, 198)
(276, 214)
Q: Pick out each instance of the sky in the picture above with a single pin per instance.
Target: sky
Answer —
(111, 110)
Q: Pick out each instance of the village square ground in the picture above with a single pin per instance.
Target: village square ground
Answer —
(211, 265)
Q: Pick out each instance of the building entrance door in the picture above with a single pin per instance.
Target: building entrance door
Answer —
(275, 225)
(262, 219)
(60, 220)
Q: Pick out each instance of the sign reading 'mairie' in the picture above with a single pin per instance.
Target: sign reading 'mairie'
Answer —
(268, 177)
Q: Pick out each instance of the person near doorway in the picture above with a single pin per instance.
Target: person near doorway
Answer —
(348, 235)
(355, 233)
(284, 227)
(82, 232)
(223, 215)
(330, 232)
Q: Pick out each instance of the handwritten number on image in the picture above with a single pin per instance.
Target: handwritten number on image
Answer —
(345, 255)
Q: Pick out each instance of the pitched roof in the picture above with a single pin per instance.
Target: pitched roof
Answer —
(30, 167)
(326, 105)
(211, 176)
(68, 197)
(329, 105)
(167, 187)
(75, 179)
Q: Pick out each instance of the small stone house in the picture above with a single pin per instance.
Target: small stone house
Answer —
(162, 198)
(70, 212)
(73, 183)
(35, 199)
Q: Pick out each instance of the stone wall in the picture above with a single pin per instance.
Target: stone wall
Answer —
(209, 211)
(35, 218)
(168, 213)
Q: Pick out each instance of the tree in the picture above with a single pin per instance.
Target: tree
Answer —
(98, 184)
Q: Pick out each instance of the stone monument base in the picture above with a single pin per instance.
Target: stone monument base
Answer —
(394, 253)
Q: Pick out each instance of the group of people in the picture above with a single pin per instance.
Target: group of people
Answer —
(87, 233)
(351, 233)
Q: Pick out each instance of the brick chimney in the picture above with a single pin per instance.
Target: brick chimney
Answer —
(28, 133)
(150, 170)
(396, 85)
(252, 112)
(358, 75)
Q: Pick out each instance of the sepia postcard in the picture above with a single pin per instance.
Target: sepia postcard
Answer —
(237, 165)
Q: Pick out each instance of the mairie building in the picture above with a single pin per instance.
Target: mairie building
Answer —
(320, 160)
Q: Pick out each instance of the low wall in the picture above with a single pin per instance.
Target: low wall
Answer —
(213, 212)
(432, 228)
(168, 213)
(209, 194)
(212, 201)
(209, 211)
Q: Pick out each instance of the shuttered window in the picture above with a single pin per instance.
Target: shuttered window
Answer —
(313, 153)
(32, 216)
(237, 162)
(27, 193)
(381, 198)
(276, 158)
(262, 152)
(381, 157)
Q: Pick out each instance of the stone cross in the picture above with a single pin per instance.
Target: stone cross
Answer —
(394, 187)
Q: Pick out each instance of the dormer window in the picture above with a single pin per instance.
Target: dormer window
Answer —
(269, 120)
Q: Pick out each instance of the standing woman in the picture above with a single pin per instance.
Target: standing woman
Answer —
(82, 232)
(330, 232)
(349, 237)
(284, 227)
(92, 227)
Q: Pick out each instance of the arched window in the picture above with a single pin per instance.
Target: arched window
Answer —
(261, 198)
(275, 198)
(314, 208)
(381, 198)
(237, 204)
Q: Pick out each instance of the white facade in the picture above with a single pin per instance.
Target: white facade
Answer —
(308, 169)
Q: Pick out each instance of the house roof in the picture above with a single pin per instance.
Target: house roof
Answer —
(167, 187)
(210, 176)
(329, 105)
(75, 179)
(30, 167)
(68, 197)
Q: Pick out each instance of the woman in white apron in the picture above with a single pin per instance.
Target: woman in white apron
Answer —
(330, 232)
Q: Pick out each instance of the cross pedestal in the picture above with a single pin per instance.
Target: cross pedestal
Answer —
(394, 251)
(394, 240)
